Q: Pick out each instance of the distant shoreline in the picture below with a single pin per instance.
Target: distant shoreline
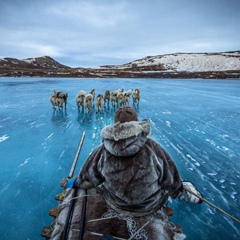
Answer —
(222, 65)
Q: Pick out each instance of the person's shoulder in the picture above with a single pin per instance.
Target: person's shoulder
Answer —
(153, 143)
(98, 149)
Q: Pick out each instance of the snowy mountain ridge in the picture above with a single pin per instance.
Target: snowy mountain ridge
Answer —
(42, 62)
(200, 62)
(190, 62)
(176, 65)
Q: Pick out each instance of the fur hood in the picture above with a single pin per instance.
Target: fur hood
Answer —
(125, 139)
(133, 172)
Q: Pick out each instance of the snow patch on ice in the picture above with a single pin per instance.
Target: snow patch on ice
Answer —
(211, 142)
(179, 147)
(211, 211)
(223, 148)
(212, 174)
(168, 123)
(4, 188)
(194, 160)
(32, 123)
(25, 162)
(49, 136)
(166, 112)
(233, 195)
(4, 138)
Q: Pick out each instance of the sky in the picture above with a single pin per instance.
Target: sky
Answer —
(91, 33)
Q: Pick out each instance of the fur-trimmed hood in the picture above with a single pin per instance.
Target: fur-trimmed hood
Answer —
(125, 139)
(133, 172)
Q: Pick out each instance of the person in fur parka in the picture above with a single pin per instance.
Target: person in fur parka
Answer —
(134, 173)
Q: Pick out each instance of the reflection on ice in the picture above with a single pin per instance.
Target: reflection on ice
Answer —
(61, 119)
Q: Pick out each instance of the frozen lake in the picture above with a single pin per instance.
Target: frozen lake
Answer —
(196, 121)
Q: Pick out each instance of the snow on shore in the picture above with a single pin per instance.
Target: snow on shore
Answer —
(190, 62)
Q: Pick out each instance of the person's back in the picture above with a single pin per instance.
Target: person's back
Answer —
(135, 176)
(133, 171)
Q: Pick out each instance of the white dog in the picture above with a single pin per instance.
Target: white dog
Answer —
(113, 98)
(88, 102)
(120, 99)
(80, 100)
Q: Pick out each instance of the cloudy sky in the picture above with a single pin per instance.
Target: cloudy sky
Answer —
(89, 33)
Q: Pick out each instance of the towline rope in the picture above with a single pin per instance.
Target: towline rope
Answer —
(73, 198)
(209, 203)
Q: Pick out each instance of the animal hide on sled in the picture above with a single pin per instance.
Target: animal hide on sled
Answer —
(101, 219)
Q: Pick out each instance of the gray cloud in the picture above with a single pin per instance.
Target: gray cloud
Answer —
(99, 32)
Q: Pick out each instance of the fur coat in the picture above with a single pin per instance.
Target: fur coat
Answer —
(134, 173)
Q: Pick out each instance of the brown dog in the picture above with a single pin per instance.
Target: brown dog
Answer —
(58, 99)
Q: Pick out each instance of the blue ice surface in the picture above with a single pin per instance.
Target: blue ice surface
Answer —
(196, 121)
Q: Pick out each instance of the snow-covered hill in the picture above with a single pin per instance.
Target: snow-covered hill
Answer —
(189, 62)
(177, 65)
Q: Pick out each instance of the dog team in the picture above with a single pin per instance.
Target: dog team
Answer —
(86, 101)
